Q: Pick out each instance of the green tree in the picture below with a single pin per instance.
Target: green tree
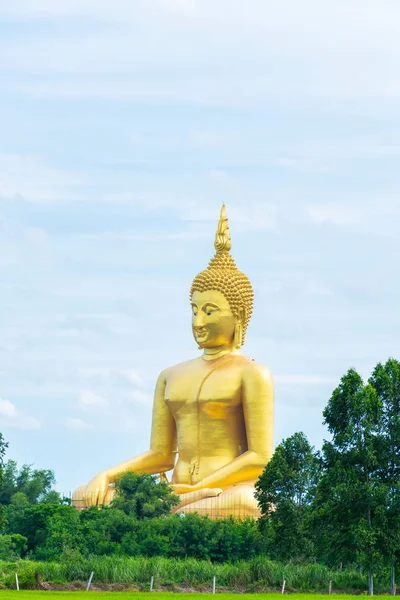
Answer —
(48, 528)
(349, 495)
(105, 531)
(3, 447)
(12, 547)
(284, 492)
(35, 484)
(194, 536)
(141, 496)
(386, 381)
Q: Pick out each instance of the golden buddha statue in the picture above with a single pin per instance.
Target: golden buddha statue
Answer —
(212, 416)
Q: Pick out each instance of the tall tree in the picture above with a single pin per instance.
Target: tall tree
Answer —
(386, 381)
(3, 447)
(348, 495)
(33, 484)
(284, 492)
(141, 496)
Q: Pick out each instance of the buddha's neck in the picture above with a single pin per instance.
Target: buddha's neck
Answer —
(213, 353)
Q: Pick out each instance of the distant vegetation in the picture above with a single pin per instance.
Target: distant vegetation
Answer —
(331, 514)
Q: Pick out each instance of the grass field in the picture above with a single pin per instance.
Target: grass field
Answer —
(189, 575)
(33, 595)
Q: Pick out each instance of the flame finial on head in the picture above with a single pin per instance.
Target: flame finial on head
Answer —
(223, 241)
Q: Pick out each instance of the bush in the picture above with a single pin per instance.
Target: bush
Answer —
(12, 547)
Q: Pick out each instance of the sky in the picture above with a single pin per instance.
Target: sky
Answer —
(124, 125)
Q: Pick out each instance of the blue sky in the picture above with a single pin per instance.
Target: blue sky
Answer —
(124, 126)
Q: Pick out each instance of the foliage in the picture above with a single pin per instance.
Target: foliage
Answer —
(385, 379)
(349, 495)
(284, 492)
(12, 546)
(141, 496)
(48, 528)
(52, 530)
(34, 484)
(3, 447)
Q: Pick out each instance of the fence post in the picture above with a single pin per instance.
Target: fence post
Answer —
(214, 579)
(16, 581)
(151, 583)
(392, 579)
(283, 586)
(330, 587)
(90, 581)
(370, 584)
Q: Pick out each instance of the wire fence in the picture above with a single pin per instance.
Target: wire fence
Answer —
(236, 506)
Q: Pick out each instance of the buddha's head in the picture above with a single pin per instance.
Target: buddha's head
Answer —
(221, 297)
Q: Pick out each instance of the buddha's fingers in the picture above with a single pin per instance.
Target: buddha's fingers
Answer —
(96, 490)
(197, 495)
(78, 497)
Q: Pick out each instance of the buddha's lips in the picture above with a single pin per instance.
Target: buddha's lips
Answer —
(201, 333)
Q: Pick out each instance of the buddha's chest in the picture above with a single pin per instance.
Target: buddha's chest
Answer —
(214, 393)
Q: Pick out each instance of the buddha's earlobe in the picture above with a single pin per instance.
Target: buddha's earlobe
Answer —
(238, 336)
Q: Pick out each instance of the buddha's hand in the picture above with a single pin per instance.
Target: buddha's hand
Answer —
(97, 489)
(78, 497)
(190, 493)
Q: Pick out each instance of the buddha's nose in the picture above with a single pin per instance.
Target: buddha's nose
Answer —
(198, 322)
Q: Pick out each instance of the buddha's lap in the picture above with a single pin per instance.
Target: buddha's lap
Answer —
(237, 500)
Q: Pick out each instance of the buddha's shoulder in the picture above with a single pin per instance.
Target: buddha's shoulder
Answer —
(253, 369)
(248, 367)
(185, 365)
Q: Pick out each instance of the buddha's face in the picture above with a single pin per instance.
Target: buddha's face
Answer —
(213, 322)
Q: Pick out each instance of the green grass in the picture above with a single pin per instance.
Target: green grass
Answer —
(119, 573)
(33, 595)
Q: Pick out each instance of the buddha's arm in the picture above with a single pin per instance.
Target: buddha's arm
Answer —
(258, 407)
(160, 457)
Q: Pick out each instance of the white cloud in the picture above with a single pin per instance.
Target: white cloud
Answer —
(30, 177)
(88, 399)
(7, 409)
(186, 7)
(12, 417)
(303, 379)
(374, 215)
(21, 244)
(75, 424)
(132, 376)
(141, 397)
(95, 373)
(106, 373)
(344, 49)
(338, 214)
(207, 138)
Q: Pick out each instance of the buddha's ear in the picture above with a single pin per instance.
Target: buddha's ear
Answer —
(239, 328)
(242, 315)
